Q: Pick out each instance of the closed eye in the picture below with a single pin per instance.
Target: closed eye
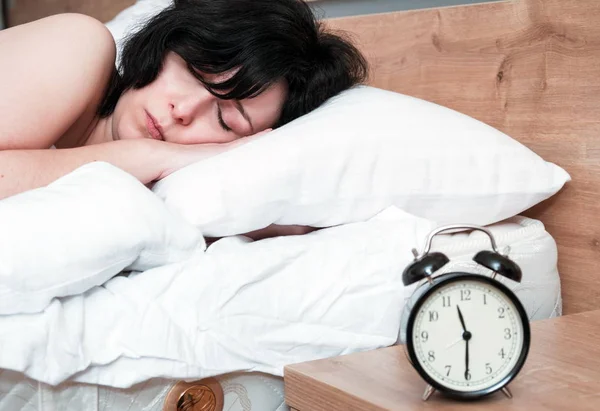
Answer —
(221, 122)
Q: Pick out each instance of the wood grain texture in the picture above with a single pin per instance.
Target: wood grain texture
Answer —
(24, 11)
(562, 372)
(530, 68)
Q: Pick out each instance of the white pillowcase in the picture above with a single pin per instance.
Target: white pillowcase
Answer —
(359, 153)
(131, 18)
(81, 230)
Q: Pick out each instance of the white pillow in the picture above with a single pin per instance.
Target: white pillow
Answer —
(81, 230)
(132, 18)
(359, 153)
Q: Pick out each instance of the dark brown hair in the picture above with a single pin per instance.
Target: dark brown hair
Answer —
(267, 40)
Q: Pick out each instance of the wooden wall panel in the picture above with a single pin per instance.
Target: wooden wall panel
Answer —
(530, 68)
(23, 11)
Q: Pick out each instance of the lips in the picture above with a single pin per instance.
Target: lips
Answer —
(153, 127)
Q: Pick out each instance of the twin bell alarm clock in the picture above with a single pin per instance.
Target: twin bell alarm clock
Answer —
(467, 335)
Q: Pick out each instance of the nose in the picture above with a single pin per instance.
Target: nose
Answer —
(190, 106)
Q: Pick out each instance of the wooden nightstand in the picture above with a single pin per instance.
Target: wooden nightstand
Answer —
(562, 372)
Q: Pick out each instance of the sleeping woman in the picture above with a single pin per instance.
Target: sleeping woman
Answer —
(201, 77)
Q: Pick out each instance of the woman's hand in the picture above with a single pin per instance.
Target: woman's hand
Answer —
(181, 155)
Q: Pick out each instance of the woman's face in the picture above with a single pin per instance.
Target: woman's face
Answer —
(176, 107)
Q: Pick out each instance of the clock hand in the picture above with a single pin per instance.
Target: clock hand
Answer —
(466, 336)
(462, 320)
(467, 358)
(453, 343)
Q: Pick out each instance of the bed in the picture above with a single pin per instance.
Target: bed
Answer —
(528, 68)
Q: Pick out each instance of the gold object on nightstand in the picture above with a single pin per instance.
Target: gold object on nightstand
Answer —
(203, 395)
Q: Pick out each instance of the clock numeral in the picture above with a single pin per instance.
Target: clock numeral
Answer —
(468, 376)
(431, 356)
(465, 295)
(488, 367)
(446, 301)
(424, 336)
(501, 312)
(502, 354)
(433, 316)
(507, 334)
(448, 369)
(484, 299)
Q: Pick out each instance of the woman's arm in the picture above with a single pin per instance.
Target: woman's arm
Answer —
(147, 160)
(22, 170)
(52, 71)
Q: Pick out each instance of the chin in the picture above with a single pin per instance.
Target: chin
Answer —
(130, 133)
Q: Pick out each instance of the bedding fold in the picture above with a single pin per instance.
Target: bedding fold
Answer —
(82, 230)
(239, 305)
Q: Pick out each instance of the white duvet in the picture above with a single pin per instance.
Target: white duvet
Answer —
(188, 312)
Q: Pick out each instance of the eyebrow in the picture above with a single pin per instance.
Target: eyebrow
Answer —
(240, 108)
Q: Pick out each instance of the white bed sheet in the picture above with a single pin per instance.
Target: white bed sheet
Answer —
(532, 247)
(242, 392)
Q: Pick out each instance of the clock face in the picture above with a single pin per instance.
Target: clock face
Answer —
(469, 335)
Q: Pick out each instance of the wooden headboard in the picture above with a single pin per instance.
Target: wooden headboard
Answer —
(530, 68)
(23, 11)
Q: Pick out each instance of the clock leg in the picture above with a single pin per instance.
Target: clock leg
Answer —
(507, 392)
(428, 391)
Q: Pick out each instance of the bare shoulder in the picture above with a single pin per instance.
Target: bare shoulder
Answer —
(57, 66)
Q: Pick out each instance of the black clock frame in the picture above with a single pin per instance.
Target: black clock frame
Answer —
(444, 280)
